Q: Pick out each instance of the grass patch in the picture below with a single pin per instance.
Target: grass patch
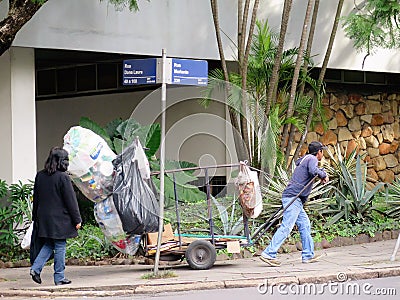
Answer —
(160, 275)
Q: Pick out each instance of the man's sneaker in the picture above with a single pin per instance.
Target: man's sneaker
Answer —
(312, 260)
(273, 262)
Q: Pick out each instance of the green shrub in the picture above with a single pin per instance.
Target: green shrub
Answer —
(90, 243)
(15, 217)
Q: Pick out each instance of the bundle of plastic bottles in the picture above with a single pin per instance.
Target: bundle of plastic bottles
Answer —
(125, 203)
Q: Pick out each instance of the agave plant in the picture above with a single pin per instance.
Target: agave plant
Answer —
(339, 163)
(226, 214)
(228, 211)
(353, 199)
(317, 200)
(392, 197)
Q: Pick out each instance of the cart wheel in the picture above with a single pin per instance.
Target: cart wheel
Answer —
(200, 255)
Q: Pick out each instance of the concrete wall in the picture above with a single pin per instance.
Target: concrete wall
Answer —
(193, 133)
(17, 115)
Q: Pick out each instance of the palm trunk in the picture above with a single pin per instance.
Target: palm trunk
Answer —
(241, 46)
(273, 82)
(243, 72)
(297, 67)
(240, 147)
(240, 150)
(239, 22)
(321, 75)
(242, 38)
(310, 40)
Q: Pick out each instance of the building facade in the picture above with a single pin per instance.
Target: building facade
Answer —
(66, 63)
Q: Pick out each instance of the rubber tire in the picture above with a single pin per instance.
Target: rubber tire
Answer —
(201, 255)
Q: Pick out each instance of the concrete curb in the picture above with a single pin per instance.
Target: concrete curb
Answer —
(153, 288)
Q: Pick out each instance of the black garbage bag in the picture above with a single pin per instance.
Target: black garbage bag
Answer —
(134, 198)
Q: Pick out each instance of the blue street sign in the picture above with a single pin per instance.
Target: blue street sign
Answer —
(139, 71)
(189, 72)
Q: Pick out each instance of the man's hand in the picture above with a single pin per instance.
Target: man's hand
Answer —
(325, 180)
(78, 226)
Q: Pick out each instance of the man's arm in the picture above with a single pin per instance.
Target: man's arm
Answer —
(315, 171)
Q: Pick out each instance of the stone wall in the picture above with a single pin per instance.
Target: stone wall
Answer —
(369, 124)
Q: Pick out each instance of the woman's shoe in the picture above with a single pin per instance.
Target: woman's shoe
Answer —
(35, 276)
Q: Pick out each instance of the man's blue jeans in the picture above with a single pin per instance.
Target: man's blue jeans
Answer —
(294, 214)
(58, 248)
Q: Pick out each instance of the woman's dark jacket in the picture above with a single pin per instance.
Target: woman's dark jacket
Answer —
(55, 208)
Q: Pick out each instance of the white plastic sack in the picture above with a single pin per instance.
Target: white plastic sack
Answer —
(110, 224)
(90, 163)
(258, 196)
(249, 191)
(143, 163)
(26, 241)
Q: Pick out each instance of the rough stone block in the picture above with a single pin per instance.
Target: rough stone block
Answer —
(377, 237)
(362, 239)
(386, 235)
(395, 233)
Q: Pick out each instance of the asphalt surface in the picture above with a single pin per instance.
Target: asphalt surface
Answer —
(363, 261)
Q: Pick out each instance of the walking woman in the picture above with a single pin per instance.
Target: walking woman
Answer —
(55, 213)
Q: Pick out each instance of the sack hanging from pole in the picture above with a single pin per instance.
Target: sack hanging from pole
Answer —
(249, 191)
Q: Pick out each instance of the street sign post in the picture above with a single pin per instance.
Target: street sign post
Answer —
(165, 71)
(177, 71)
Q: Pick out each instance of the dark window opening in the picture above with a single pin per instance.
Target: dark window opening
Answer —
(107, 76)
(46, 82)
(374, 77)
(333, 74)
(86, 78)
(393, 79)
(353, 76)
(66, 79)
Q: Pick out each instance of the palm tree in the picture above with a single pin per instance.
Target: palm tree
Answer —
(238, 113)
(240, 150)
(264, 129)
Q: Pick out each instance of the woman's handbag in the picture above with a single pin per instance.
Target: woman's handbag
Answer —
(26, 241)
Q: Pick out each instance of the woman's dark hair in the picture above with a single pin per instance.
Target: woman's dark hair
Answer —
(57, 160)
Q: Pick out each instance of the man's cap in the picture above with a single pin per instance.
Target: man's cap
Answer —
(315, 146)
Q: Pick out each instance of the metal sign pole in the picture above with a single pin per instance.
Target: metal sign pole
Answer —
(162, 159)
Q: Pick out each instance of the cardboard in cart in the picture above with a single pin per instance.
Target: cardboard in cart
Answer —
(168, 235)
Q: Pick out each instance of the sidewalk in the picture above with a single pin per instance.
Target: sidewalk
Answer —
(362, 261)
